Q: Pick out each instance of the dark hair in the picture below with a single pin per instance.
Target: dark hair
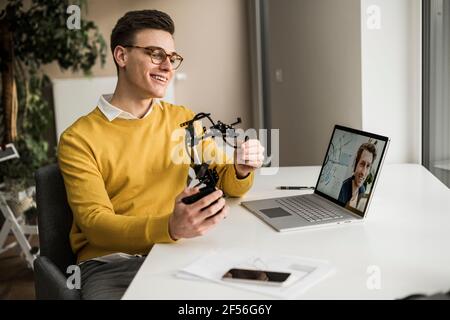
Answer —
(365, 146)
(134, 21)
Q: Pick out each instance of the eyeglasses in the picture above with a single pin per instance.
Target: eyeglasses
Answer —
(158, 55)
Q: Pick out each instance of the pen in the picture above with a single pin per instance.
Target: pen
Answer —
(295, 188)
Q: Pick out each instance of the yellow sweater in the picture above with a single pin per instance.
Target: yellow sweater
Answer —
(121, 182)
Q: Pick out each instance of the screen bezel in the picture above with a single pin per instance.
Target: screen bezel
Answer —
(366, 134)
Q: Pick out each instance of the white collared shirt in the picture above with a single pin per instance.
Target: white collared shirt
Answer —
(111, 112)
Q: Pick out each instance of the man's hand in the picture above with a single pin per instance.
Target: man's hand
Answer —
(248, 157)
(188, 221)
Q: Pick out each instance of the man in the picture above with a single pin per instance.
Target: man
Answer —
(353, 187)
(123, 187)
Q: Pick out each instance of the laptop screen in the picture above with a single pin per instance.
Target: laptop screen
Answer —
(351, 167)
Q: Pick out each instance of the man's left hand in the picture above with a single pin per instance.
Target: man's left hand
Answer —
(248, 157)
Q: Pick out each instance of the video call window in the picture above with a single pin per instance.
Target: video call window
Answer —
(350, 169)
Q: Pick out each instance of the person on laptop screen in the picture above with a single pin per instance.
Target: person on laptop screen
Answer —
(353, 188)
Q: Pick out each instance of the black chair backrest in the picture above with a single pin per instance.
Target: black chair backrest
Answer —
(54, 217)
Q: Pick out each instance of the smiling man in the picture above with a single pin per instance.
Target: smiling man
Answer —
(122, 186)
(353, 187)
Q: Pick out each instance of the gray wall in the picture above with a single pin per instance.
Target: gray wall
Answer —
(317, 45)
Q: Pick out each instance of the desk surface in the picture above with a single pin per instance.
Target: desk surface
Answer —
(405, 236)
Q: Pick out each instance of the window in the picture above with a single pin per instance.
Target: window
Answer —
(436, 88)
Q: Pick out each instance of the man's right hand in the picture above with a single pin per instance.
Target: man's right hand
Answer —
(192, 220)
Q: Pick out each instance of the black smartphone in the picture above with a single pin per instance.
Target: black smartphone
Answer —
(273, 278)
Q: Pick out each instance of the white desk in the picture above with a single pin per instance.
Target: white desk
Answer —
(406, 235)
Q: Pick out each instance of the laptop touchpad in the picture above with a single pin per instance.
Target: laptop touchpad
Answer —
(275, 212)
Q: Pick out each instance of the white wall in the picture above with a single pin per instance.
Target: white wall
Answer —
(391, 76)
(76, 97)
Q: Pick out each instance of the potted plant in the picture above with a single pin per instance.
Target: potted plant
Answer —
(31, 36)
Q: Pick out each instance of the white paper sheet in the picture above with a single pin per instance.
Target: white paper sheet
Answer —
(214, 264)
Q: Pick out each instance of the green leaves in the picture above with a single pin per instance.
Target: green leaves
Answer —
(41, 36)
(35, 116)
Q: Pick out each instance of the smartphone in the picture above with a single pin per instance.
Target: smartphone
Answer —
(272, 278)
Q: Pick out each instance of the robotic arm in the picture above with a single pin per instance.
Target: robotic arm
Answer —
(207, 177)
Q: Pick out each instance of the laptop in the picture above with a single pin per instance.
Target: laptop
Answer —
(343, 190)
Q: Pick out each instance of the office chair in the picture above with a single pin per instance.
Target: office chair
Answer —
(54, 222)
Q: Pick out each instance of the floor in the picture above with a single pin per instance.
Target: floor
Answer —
(16, 279)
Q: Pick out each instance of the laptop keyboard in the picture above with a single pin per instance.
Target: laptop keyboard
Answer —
(309, 209)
